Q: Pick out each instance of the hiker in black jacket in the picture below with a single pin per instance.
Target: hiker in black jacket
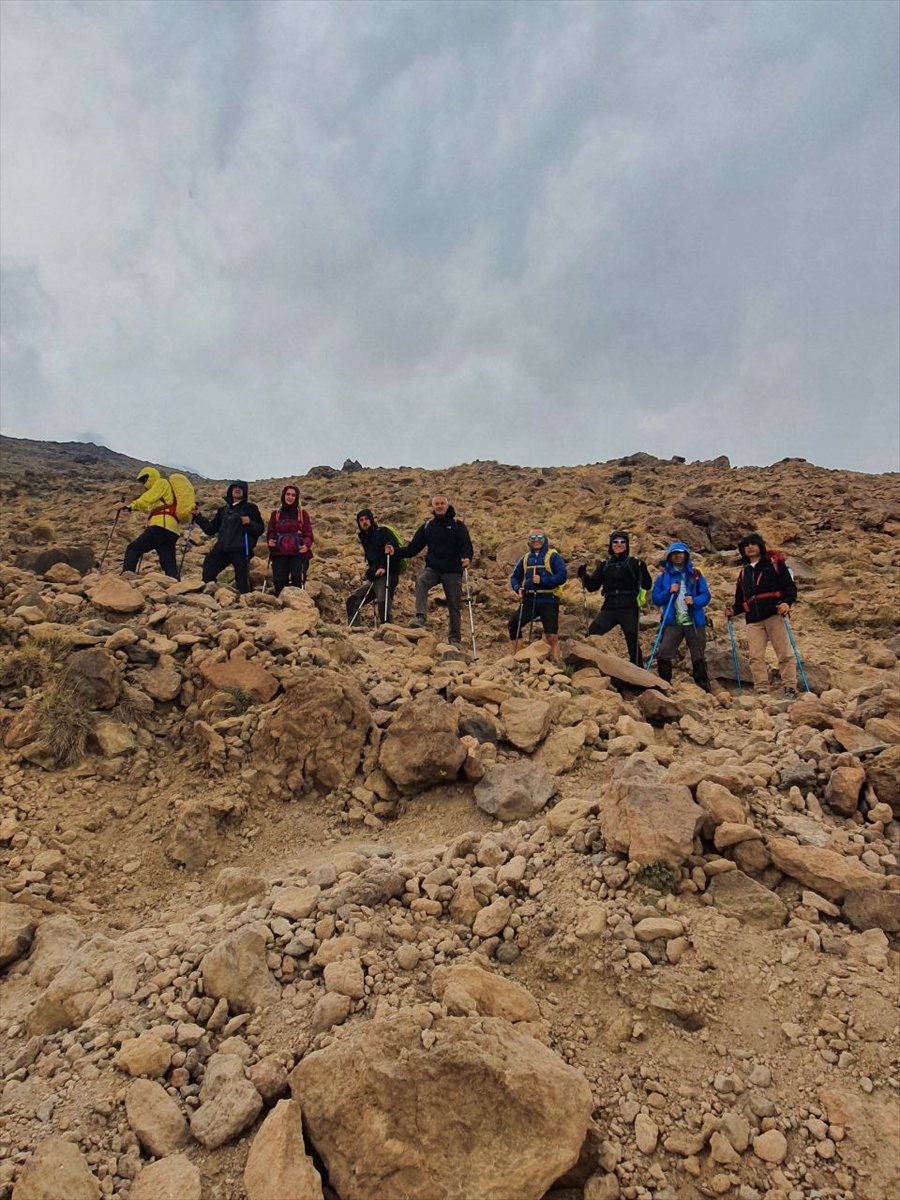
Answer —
(449, 553)
(238, 524)
(374, 539)
(620, 577)
(764, 594)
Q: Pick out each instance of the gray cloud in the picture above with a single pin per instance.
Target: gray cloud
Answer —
(254, 237)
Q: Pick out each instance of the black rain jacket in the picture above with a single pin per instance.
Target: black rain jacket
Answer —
(229, 527)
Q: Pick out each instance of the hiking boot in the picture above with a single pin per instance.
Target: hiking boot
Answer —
(790, 693)
(453, 641)
(418, 623)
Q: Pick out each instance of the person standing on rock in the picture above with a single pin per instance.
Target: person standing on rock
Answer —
(536, 581)
(682, 593)
(449, 553)
(161, 533)
(764, 594)
(289, 536)
(238, 525)
(623, 580)
(374, 539)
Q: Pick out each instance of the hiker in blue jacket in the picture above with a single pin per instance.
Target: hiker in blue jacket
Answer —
(682, 593)
(536, 581)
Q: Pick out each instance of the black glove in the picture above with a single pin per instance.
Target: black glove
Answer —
(582, 572)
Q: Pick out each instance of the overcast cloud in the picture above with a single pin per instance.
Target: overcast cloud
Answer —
(252, 237)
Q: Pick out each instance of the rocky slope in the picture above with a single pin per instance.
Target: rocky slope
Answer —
(292, 912)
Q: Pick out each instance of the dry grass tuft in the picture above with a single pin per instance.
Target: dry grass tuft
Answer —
(43, 533)
(23, 667)
(66, 720)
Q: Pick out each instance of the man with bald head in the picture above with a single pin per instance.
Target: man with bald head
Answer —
(448, 553)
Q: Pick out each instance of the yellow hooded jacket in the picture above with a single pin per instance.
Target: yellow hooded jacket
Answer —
(158, 500)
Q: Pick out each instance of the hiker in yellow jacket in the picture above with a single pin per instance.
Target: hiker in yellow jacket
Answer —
(161, 533)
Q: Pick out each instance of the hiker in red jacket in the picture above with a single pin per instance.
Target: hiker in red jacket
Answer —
(764, 594)
(289, 536)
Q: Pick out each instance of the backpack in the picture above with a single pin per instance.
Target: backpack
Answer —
(290, 543)
(402, 563)
(557, 591)
(183, 491)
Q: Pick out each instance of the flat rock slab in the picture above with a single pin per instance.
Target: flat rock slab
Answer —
(56, 1169)
(830, 874)
(514, 791)
(239, 673)
(583, 654)
(868, 909)
(737, 895)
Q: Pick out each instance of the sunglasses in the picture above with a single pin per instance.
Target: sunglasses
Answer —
(535, 537)
(619, 542)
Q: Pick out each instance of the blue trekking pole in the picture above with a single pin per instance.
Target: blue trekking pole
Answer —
(662, 626)
(734, 655)
(247, 552)
(787, 626)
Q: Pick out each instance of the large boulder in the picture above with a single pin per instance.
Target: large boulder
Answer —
(41, 561)
(865, 909)
(112, 594)
(155, 1118)
(470, 1107)
(315, 737)
(278, 1166)
(56, 1169)
(73, 992)
(97, 675)
(240, 673)
(526, 722)
(298, 617)
(583, 654)
(883, 773)
(737, 895)
(171, 1178)
(236, 970)
(228, 1102)
(55, 943)
(17, 926)
(843, 789)
(466, 989)
(421, 747)
(514, 791)
(650, 821)
(824, 871)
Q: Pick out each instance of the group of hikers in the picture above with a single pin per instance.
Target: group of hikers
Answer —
(764, 594)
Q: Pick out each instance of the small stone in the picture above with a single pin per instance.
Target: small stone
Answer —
(646, 1133)
(771, 1147)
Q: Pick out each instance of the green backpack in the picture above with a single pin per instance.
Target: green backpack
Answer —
(402, 563)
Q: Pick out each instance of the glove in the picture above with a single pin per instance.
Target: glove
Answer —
(582, 572)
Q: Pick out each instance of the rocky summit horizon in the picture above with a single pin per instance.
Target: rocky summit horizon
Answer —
(295, 911)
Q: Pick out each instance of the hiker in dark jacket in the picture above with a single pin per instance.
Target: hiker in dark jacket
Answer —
(289, 536)
(682, 593)
(764, 595)
(449, 553)
(537, 580)
(238, 525)
(374, 539)
(620, 577)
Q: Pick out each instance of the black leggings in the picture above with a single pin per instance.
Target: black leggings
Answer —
(154, 537)
(547, 612)
(626, 619)
(216, 562)
(288, 568)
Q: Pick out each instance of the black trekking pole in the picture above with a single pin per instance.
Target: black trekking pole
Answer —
(521, 613)
(387, 585)
(359, 610)
(471, 616)
(110, 538)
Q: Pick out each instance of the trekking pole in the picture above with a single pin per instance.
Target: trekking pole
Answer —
(662, 626)
(387, 585)
(110, 538)
(359, 610)
(734, 656)
(186, 547)
(519, 625)
(247, 552)
(471, 616)
(787, 626)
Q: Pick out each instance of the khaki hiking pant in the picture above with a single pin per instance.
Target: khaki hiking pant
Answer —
(772, 632)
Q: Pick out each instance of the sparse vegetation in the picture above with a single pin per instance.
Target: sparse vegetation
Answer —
(66, 720)
(43, 533)
(658, 875)
(240, 700)
(23, 667)
(56, 646)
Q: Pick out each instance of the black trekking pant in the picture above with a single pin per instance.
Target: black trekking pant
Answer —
(154, 537)
(372, 592)
(626, 619)
(452, 585)
(695, 636)
(546, 611)
(288, 568)
(216, 562)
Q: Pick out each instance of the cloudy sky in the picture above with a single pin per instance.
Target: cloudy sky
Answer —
(250, 237)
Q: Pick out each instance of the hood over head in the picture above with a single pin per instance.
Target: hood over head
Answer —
(619, 533)
(148, 476)
(752, 539)
(673, 549)
(283, 490)
(241, 483)
(366, 512)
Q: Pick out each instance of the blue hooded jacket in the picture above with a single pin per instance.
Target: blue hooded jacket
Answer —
(696, 586)
(551, 578)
